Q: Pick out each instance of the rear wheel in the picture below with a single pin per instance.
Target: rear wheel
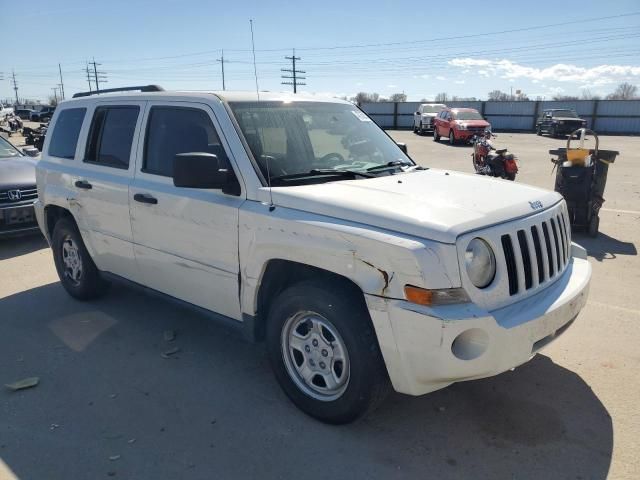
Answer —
(77, 272)
(324, 352)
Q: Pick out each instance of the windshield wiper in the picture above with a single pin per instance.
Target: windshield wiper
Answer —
(323, 172)
(393, 164)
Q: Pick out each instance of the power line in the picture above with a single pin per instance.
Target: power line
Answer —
(294, 73)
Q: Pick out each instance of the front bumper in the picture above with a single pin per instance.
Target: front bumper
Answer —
(17, 219)
(418, 343)
(567, 128)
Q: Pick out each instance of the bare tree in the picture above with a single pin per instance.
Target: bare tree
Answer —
(566, 98)
(441, 97)
(53, 101)
(587, 95)
(624, 91)
(398, 97)
(499, 96)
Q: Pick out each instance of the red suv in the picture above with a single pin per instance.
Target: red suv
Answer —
(459, 124)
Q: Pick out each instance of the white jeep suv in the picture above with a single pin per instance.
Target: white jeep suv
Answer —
(300, 222)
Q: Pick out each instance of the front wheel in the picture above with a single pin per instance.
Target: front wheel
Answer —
(324, 351)
(594, 225)
(452, 138)
(436, 137)
(538, 130)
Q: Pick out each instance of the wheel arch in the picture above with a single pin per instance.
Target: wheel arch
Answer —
(280, 274)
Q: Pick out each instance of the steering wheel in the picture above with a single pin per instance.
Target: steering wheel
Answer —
(335, 155)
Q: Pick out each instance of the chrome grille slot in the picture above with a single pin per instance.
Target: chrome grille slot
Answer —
(510, 259)
(556, 243)
(538, 249)
(547, 243)
(526, 259)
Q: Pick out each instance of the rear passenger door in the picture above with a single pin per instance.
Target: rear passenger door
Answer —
(102, 184)
(186, 239)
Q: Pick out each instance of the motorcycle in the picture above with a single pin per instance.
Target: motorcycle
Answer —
(491, 162)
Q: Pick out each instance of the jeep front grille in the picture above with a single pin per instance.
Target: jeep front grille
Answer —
(537, 254)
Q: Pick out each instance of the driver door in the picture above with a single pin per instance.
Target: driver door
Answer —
(185, 239)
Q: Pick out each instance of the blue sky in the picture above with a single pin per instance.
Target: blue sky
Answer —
(346, 47)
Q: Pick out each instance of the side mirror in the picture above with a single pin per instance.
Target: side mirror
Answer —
(403, 147)
(417, 113)
(199, 170)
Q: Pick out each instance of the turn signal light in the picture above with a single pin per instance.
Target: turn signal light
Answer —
(445, 296)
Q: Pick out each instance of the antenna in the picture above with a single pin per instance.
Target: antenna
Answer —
(253, 50)
(267, 158)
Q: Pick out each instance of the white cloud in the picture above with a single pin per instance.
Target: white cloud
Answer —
(560, 72)
(426, 76)
(459, 82)
(392, 86)
(359, 84)
(483, 73)
(441, 78)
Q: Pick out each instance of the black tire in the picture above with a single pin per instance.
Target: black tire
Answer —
(421, 129)
(553, 132)
(87, 284)
(511, 176)
(415, 129)
(367, 382)
(538, 130)
(436, 137)
(594, 225)
(452, 138)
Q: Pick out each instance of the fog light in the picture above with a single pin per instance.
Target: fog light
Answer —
(470, 344)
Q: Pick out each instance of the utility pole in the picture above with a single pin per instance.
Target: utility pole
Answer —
(61, 84)
(86, 69)
(55, 94)
(294, 73)
(98, 76)
(15, 86)
(221, 60)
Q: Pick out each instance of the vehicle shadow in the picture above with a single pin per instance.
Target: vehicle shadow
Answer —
(214, 409)
(604, 247)
(17, 246)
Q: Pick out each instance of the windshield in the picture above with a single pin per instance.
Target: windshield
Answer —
(295, 138)
(467, 115)
(565, 113)
(7, 150)
(432, 108)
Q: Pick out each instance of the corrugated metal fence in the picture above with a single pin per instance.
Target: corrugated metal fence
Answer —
(603, 116)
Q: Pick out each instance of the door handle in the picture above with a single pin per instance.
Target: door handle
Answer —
(145, 198)
(83, 184)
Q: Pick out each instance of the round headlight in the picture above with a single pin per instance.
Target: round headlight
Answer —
(480, 263)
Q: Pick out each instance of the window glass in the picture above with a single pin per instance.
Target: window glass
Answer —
(65, 134)
(173, 130)
(298, 137)
(111, 136)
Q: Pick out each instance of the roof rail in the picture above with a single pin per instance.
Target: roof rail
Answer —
(141, 88)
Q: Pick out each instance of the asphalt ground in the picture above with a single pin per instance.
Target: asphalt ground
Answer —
(109, 405)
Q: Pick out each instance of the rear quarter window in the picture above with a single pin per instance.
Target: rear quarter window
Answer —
(65, 133)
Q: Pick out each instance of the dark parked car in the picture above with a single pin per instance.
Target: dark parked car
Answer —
(17, 191)
(45, 113)
(24, 114)
(557, 122)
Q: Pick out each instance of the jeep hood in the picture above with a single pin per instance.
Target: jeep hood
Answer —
(434, 204)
